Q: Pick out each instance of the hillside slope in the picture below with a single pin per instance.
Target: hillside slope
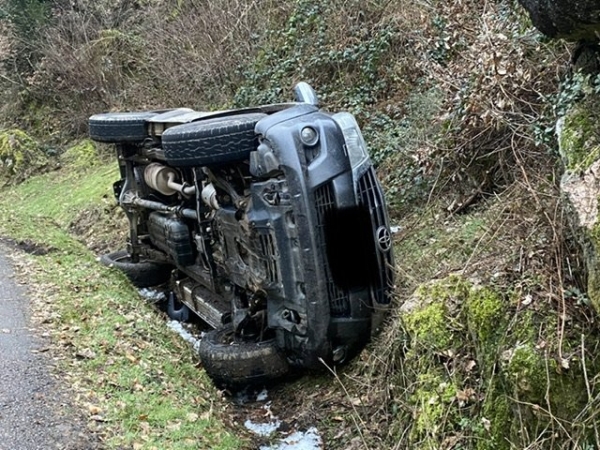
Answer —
(493, 344)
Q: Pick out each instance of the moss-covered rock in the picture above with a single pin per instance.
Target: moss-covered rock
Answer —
(525, 372)
(81, 155)
(482, 373)
(579, 144)
(20, 156)
(590, 239)
(579, 137)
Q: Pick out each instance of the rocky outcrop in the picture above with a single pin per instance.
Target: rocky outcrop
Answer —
(578, 134)
(574, 20)
(578, 129)
(474, 358)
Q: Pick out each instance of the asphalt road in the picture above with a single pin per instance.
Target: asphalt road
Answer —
(34, 407)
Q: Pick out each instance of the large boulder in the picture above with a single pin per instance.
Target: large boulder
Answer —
(474, 358)
(579, 145)
(574, 20)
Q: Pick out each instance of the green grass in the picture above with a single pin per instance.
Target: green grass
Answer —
(60, 196)
(135, 378)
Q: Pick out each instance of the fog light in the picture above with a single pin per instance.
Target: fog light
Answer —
(309, 136)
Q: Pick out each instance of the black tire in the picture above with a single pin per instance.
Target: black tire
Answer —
(211, 141)
(142, 274)
(120, 127)
(177, 310)
(233, 363)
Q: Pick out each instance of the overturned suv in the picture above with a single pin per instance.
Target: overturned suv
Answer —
(268, 223)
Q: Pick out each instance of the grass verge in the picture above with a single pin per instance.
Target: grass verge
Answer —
(137, 380)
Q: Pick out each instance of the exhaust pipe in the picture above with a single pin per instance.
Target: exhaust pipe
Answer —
(163, 179)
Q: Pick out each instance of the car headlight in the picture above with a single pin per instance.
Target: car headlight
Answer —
(355, 143)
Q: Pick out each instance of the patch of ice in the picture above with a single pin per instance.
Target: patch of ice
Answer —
(247, 395)
(262, 429)
(178, 328)
(262, 396)
(152, 295)
(300, 440)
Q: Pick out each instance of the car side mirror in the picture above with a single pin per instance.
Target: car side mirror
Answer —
(304, 93)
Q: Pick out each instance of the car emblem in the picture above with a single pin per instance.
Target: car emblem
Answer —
(384, 239)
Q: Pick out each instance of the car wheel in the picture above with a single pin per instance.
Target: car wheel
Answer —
(144, 273)
(211, 141)
(120, 127)
(234, 363)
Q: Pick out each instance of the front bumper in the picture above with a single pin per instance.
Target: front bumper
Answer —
(324, 235)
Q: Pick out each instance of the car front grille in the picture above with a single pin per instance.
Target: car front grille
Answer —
(269, 258)
(339, 300)
(371, 197)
